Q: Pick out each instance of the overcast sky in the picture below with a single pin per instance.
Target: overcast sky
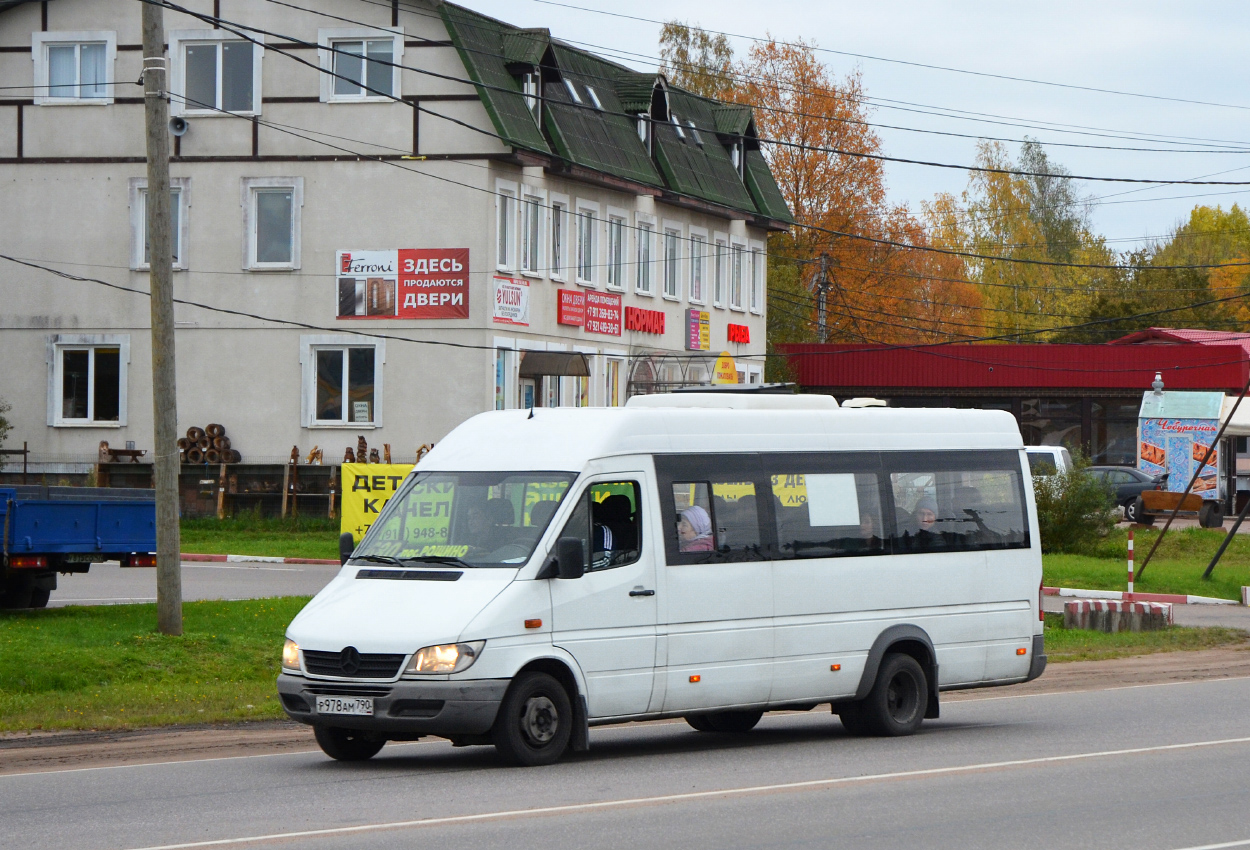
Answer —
(1189, 51)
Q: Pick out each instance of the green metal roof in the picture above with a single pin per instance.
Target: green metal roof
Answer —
(525, 47)
(606, 140)
(704, 170)
(479, 41)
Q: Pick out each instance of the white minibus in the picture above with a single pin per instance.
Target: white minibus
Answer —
(709, 556)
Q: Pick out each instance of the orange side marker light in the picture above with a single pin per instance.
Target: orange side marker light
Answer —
(1022, 651)
(835, 667)
(696, 679)
(533, 624)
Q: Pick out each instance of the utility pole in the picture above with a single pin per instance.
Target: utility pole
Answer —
(161, 277)
(822, 297)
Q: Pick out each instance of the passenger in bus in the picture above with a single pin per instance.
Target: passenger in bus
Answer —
(694, 530)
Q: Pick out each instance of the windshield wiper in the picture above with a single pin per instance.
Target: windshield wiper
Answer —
(437, 559)
(380, 559)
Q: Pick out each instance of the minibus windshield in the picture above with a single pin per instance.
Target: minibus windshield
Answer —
(465, 519)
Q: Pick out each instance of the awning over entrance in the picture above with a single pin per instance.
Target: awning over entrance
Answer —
(567, 364)
(1240, 424)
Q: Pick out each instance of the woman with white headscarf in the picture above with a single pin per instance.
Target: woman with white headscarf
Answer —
(694, 530)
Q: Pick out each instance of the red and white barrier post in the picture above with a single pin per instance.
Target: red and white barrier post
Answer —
(1130, 560)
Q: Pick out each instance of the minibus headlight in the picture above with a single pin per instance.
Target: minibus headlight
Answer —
(447, 658)
(290, 656)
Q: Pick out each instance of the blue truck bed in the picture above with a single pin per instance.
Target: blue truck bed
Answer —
(47, 530)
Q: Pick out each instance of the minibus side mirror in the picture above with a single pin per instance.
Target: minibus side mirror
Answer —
(347, 545)
(569, 558)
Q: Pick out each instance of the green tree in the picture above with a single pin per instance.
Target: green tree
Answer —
(5, 425)
(695, 60)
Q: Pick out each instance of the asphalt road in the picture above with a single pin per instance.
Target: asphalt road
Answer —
(109, 584)
(1161, 766)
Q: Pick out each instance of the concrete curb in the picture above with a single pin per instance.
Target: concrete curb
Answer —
(255, 559)
(1174, 598)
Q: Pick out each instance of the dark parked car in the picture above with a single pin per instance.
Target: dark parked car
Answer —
(1127, 483)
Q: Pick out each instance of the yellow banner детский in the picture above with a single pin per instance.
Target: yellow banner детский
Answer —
(366, 488)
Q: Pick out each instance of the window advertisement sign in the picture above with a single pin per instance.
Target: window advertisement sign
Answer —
(409, 283)
(698, 330)
(1177, 446)
(512, 301)
(603, 313)
(571, 307)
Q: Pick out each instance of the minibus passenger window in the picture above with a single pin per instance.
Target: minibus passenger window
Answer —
(695, 532)
(953, 510)
(820, 515)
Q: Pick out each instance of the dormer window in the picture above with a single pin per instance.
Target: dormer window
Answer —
(736, 156)
(572, 90)
(530, 87)
(594, 98)
(644, 130)
(681, 134)
(694, 131)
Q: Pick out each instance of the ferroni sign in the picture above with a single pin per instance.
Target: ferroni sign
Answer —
(409, 283)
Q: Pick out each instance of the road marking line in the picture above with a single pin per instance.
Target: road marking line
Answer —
(1245, 842)
(1100, 690)
(812, 784)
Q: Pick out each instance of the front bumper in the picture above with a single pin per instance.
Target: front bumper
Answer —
(403, 708)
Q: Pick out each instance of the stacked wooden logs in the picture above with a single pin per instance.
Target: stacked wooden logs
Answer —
(207, 445)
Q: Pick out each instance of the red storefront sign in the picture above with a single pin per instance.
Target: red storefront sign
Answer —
(739, 333)
(571, 307)
(433, 283)
(603, 313)
(644, 321)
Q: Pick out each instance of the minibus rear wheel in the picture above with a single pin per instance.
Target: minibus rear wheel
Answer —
(896, 704)
(852, 716)
(347, 744)
(535, 721)
(733, 722)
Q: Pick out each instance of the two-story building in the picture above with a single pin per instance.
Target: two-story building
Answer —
(388, 217)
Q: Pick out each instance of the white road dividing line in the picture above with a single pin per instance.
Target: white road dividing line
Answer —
(1245, 842)
(1099, 690)
(603, 805)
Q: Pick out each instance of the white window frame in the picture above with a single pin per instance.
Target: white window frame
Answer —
(594, 98)
(251, 186)
(326, 39)
(531, 90)
(720, 269)
(571, 88)
(309, 344)
(759, 269)
(620, 218)
(59, 343)
(180, 194)
(178, 40)
(644, 254)
(507, 215)
(587, 209)
(533, 233)
(671, 290)
(698, 266)
(559, 220)
(39, 43)
(738, 254)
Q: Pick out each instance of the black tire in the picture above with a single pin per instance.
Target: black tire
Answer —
(1135, 511)
(535, 721)
(699, 722)
(733, 722)
(1211, 515)
(347, 744)
(852, 716)
(17, 593)
(39, 598)
(896, 704)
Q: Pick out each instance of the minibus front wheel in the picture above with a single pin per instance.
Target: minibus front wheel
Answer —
(347, 744)
(535, 721)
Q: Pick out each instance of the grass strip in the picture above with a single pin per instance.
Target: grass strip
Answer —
(1064, 645)
(106, 666)
(250, 534)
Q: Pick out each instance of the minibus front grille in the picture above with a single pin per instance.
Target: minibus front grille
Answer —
(361, 665)
(348, 690)
(410, 575)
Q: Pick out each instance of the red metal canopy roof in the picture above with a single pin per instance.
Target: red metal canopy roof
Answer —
(1187, 364)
